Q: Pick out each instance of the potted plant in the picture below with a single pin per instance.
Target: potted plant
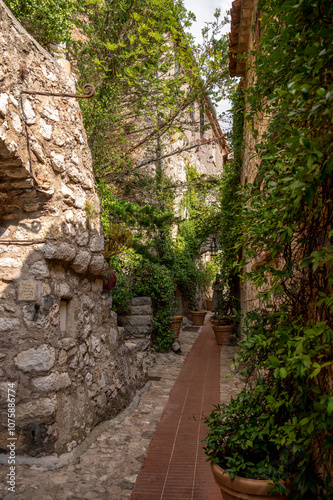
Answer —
(246, 463)
(176, 319)
(223, 316)
(197, 313)
(276, 436)
(209, 301)
(198, 317)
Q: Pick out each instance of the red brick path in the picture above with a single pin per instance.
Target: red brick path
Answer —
(175, 467)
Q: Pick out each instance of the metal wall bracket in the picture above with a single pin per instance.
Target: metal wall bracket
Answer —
(88, 90)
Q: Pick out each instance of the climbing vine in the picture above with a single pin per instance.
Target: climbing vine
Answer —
(49, 21)
(286, 227)
(230, 214)
(148, 75)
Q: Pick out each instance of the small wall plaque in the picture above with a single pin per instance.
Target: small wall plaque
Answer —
(27, 291)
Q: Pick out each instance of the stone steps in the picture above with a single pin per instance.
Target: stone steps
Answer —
(141, 301)
(134, 319)
(140, 310)
(139, 318)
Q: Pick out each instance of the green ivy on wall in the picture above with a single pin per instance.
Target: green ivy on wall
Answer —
(287, 221)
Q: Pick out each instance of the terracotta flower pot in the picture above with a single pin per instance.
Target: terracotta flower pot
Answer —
(209, 304)
(241, 488)
(198, 317)
(176, 323)
(222, 333)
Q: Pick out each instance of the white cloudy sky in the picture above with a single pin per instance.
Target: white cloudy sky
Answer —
(204, 12)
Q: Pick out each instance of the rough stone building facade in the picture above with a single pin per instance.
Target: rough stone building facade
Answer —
(59, 340)
(208, 155)
(244, 38)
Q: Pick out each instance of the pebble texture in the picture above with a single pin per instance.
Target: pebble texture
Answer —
(59, 340)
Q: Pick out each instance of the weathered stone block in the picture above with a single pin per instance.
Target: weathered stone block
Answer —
(88, 379)
(3, 104)
(64, 291)
(58, 163)
(64, 252)
(96, 265)
(45, 129)
(37, 408)
(95, 344)
(134, 320)
(141, 301)
(79, 136)
(81, 262)
(137, 330)
(38, 150)
(16, 121)
(74, 174)
(97, 243)
(10, 262)
(53, 382)
(62, 358)
(49, 251)
(113, 335)
(80, 199)
(10, 274)
(9, 324)
(75, 158)
(141, 310)
(51, 113)
(82, 239)
(40, 359)
(68, 194)
(39, 269)
(29, 114)
(68, 342)
(87, 183)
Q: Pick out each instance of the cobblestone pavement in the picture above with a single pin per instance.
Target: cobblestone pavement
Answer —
(108, 469)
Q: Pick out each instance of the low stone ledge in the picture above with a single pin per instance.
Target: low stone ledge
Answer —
(140, 310)
(140, 331)
(141, 301)
(134, 320)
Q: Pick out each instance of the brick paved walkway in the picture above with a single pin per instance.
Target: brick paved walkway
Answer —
(175, 467)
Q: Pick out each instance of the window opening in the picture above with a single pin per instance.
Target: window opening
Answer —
(63, 315)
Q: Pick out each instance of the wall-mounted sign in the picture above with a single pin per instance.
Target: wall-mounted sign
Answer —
(27, 291)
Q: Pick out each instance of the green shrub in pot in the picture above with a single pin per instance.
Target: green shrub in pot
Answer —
(280, 425)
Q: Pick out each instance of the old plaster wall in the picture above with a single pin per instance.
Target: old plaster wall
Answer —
(59, 341)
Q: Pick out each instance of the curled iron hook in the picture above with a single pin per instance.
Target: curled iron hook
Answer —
(88, 90)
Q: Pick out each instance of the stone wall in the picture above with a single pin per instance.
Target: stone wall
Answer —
(138, 320)
(207, 157)
(244, 38)
(59, 341)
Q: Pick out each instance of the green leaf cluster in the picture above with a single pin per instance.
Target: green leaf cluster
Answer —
(49, 21)
(281, 424)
